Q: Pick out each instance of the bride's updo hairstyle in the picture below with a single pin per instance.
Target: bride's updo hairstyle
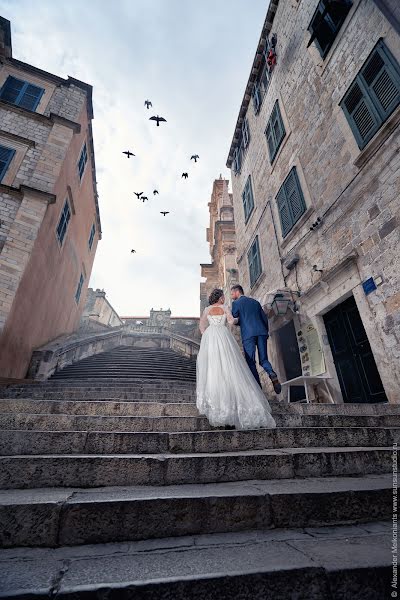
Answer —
(215, 296)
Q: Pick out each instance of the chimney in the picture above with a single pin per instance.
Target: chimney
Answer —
(5, 38)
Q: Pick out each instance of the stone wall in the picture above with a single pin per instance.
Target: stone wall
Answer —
(355, 193)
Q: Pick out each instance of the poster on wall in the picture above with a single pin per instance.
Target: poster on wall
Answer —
(311, 353)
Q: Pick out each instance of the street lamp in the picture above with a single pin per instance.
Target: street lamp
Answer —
(280, 304)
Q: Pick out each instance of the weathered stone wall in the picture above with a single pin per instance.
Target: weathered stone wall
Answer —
(356, 193)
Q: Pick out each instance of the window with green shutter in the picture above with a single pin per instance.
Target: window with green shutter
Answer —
(254, 259)
(290, 202)
(373, 95)
(275, 131)
(248, 199)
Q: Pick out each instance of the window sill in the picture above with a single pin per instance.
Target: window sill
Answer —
(293, 232)
(258, 282)
(378, 140)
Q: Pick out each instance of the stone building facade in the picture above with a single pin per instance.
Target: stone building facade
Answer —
(184, 326)
(222, 271)
(98, 311)
(49, 214)
(315, 162)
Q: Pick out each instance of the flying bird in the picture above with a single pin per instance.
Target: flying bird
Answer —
(147, 103)
(138, 194)
(158, 119)
(164, 212)
(144, 198)
(194, 157)
(185, 175)
(128, 153)
(133, 251)
(155, 192)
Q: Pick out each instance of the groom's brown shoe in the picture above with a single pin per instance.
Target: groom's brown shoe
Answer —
(277, 385)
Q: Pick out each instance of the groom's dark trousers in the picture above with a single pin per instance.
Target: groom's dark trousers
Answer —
(253, 324)
(249, 347)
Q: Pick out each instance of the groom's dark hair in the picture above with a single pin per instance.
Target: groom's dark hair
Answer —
(238, 288)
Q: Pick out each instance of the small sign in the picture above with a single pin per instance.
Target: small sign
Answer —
(369, 286)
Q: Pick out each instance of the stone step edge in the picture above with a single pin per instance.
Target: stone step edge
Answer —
(325, 564)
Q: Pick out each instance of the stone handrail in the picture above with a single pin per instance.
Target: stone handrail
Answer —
(69, 349)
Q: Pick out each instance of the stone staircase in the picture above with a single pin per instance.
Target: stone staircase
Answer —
(116, 488)
(131, 362)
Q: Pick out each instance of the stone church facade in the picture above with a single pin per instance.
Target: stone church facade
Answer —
(49, 214)
(315, 163)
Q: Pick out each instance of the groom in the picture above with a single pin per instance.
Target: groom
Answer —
(254, 329)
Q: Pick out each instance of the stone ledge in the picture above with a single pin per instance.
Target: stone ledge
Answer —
(22, 190)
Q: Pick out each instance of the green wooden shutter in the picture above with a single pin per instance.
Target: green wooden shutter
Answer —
(6, 156)
(284, 212)
(294, 196)
(383, 82)
(270, 141)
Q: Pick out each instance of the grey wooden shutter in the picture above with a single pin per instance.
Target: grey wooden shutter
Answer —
(383, 82)
(284, 212)
(294, 196)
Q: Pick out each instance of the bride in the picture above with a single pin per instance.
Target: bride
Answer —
(227, 392)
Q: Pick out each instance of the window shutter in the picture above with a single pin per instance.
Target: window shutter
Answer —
(30, 97)
(270, 141)
(294, 196)
(254, 261)
(284, 212)
(246, 133)
(6, 156)
(383, 82)
(11, 89)
(362, 117)
(256, 98)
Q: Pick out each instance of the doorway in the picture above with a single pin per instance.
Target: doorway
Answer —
(355, 364)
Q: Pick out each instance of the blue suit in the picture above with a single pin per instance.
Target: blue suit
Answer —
(254, 330)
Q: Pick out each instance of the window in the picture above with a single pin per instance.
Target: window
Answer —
(91, 237)
(82, 161)
(248, 199)
(6, 156)
(373, 95)
(275, 131)
(245, 133)
(326, 22)
(254, 259)
(21, 93)
(290, 201)
(63, 222)
(237, 159)
(79, 289)
(257, 99)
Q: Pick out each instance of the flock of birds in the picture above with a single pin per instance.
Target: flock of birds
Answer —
(128, 154)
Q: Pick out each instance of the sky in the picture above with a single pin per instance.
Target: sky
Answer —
(192, 60)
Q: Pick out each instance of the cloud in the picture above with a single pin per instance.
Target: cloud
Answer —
(192, 60)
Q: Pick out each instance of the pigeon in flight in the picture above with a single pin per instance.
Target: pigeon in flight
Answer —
(155, 192)
(194, 157)
(158, 119)
(128, 153)
(185, 175)
(138, 194)
(147, 103)
(144, 198)
(133, 251)
(164, 212)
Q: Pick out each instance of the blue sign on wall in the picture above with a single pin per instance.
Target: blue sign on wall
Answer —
(369, 285)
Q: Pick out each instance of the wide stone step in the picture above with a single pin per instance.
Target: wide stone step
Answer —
(331, 563)
(89, 470)
(64, 517)
(57, 422)
(345, 408)
(15, 442)
(129, 394)
(97, 407)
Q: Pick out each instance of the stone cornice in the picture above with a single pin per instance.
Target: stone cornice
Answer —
(17, 138)
(23, 190)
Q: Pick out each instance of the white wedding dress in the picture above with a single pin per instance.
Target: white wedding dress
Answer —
(227, 392)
